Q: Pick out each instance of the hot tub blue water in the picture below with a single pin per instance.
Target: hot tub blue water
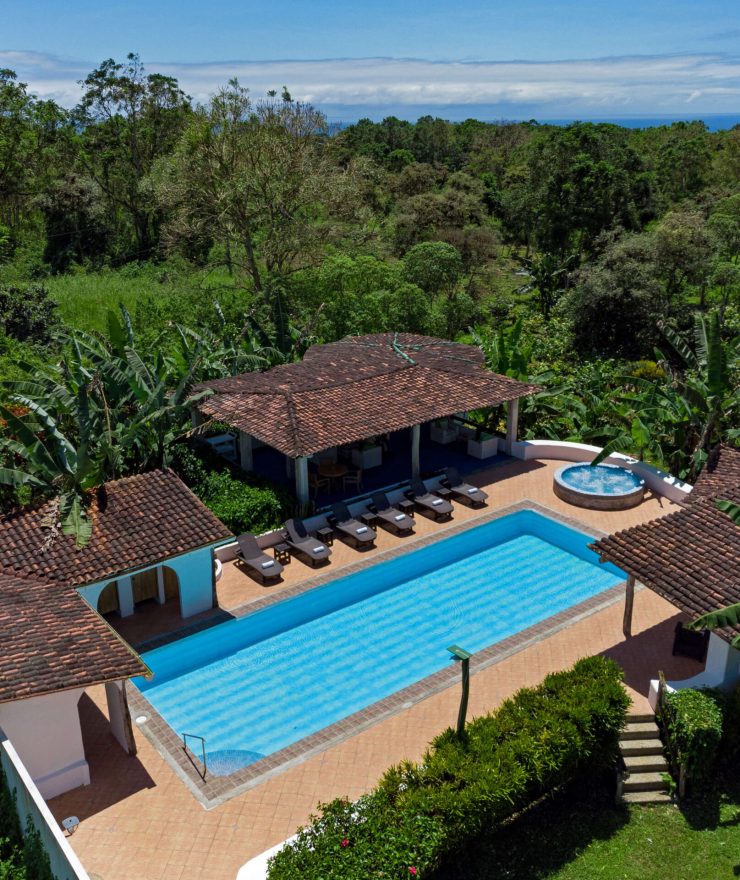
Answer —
(600, 479)
(257, 684)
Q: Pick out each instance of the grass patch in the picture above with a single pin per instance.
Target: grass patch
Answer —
(582, 835)
(159, 292)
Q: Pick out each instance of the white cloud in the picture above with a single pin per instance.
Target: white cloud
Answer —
(652, 85)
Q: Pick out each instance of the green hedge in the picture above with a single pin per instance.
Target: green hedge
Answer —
(240, 500)
(22, 855)
(693, 724)
(420, 814)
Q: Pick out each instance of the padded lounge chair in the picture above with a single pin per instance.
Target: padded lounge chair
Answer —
(300, 542)
(256, 560)
(461, 491)
(691, 643)
(391, 516)
(358, 533)
(440, 508)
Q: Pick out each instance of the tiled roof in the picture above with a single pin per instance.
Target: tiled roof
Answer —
(137, 521)
(721, 471)
(691, 557)
(356, 388)
(52, 640)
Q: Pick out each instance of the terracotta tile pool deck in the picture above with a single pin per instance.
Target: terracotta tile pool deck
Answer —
(138, 818)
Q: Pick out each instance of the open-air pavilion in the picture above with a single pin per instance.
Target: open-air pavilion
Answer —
(691, 558)
(359, 388)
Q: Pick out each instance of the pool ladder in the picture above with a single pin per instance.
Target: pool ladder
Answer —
(190, 752)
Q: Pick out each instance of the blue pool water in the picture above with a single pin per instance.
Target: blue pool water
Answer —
(255, 685)
(600, 479)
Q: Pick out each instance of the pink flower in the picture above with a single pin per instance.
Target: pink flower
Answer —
(345, 842)
(413, 871)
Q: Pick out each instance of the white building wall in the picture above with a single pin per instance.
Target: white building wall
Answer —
(195, 574)
(47, 735)
(65, 865)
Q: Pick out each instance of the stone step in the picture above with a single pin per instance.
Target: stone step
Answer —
(645, 763)
(645, 782)
(640, 730)
(640, 747)
(646, 797)
(640, 717)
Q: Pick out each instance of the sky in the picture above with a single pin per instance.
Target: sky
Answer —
(494, 59)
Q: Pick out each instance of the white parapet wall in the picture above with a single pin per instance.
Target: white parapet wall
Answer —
(64, 863)
(721, 670)
(660, 482)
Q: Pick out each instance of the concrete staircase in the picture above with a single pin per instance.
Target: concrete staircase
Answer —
(642, 751)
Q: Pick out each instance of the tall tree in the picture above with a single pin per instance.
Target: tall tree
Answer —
(129, 120)
(254, 176)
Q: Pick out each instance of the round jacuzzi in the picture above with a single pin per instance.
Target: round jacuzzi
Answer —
(599, 487)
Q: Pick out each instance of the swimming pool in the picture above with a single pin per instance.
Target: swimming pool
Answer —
(255, 685)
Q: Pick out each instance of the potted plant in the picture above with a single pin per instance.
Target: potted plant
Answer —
(485, 442)
(442, 431)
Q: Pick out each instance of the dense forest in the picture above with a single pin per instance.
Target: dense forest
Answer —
(147, 242)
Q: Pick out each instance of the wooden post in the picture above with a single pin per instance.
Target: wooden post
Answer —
(415, 441)
(629, 601)
(464, 698)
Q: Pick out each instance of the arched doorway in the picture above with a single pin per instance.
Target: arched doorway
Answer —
(170, 583)
(108, 599)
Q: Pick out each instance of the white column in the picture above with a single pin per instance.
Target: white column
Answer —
(125, 596)
(415, 440)
(629, 601)
(245, 451)
(301, 479)
(120, 718)
(512, 424)
(161, 598)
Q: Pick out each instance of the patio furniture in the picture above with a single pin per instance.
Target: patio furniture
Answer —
(255, 560)
(691, 643)
(358, 533)
(398, 520)
(369, 518)
(296, 536)
(353, 478)
(334, 471)
(282, 553)
(462, 491)
(427, 502)
(326, 534)
(317, 483)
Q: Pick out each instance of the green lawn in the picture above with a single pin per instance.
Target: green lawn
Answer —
(585, 836)
(166, 293)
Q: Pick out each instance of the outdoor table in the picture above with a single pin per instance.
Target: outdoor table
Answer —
(406, 505)
(442, 491)
(369, 518)
(282, 553)
(325, 534)
(333, 470)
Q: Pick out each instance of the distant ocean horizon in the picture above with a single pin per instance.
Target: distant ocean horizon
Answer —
(339, 120)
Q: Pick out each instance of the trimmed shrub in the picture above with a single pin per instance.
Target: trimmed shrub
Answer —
(693, 725)
(420, 814)
(242, 501)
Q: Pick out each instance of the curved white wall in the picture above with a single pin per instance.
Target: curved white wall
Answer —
(660, 482)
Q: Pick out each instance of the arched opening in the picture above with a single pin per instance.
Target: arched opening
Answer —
(108, 599)
(171, 584)
(144, 587)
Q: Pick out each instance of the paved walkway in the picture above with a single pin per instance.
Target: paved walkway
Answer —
(139, 820)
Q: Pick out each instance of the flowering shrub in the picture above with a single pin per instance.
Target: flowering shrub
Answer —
(421, 813)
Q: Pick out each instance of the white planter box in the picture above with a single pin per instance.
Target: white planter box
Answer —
(442, 433)
(483, 448)
(367, 458)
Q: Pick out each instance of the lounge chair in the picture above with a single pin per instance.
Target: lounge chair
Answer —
(427, 502)
(256, 560)
(358, 533)
(391, 516)
(300, 542)
(691, 643)
(461, 491)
